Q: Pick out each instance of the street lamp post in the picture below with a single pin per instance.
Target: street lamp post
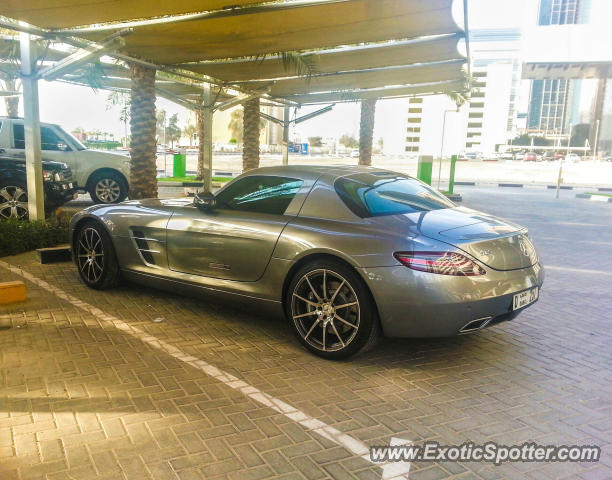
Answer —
(442, 143)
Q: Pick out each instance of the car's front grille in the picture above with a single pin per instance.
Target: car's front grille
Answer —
(66, 175)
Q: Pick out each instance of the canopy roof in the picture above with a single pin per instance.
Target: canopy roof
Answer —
(341, 49)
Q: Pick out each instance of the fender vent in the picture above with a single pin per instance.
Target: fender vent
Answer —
(142, 243)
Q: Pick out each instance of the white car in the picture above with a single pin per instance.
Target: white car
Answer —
(105, 175)
(355, 153)
(572, 157)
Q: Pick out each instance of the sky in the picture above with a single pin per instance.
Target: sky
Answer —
(73, 106)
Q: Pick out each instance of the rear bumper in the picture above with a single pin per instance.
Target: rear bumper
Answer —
(420, 304)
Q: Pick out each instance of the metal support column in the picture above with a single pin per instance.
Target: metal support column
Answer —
(598, 114)
(206, 133)
(286, 117)
(31, 121)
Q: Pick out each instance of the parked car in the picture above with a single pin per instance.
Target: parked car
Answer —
(551, 156)
(105, 175)
(57, 184)
(608, 159)
(532, 157)
(344, 252)
(355, 153)
(572, 157)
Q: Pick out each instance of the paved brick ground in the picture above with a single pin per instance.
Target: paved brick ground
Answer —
(81, 399)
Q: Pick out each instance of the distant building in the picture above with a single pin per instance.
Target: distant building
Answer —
(567, 55)
(489, 119)
(553, 103)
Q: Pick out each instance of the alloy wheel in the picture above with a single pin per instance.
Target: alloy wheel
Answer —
(13, 202)
(108, 190)
(90, 255)
(325, 310)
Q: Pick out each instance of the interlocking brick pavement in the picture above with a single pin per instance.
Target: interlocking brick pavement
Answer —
(82, 399)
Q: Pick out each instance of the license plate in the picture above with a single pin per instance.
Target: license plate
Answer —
(525, 298)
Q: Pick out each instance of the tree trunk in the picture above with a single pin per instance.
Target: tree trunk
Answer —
(366, 131)
(250, 125)
(143, 175)
(11, 103)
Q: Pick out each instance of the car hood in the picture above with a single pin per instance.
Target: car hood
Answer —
(497, 243)
(47, 164)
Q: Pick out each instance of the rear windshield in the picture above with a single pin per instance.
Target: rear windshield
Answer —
(386, 193)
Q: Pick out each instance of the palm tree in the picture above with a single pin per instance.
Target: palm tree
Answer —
(251, 129)
(122, 100)
(11, 103)
(235, 125)
(190, 130)
(143, 177)
(366, 130)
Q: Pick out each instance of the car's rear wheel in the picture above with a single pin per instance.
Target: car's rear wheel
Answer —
(95, 257)
(13, 200)
(331, 310)
(108, 187)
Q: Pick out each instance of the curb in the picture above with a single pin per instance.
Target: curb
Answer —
(54, 254)
(12, 292)
(594, 198)
(535, 185)
(455, 197)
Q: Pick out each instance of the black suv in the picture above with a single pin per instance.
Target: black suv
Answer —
(57, 183)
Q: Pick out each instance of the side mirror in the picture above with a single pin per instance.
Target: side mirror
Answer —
(205, 201)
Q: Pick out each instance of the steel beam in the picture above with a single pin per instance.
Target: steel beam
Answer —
(316, 113)
(31, 122)
(239, 100)
(178, 99)
(82, 56)
(286, 120)
(272, 119)
(207, 132)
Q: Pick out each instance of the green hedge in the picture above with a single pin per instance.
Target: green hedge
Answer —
(17, 236)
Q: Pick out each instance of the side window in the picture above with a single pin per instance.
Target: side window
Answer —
(263, 194)
(49, 140)
(18, 136)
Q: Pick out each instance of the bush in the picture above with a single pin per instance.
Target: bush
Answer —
(17, 236)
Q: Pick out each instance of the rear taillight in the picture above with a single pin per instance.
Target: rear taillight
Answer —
(443, 263)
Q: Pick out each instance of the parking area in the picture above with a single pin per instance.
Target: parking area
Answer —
(137, 384)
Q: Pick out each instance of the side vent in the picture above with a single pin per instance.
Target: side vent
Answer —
(142, 243)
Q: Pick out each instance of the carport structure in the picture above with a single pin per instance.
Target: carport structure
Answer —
(207, 55)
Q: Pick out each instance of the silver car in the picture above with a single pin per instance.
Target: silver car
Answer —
(344, 253)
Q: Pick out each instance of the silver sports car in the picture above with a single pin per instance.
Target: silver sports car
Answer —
(344, 253)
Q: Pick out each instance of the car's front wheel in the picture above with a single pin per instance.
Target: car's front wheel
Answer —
(331, 310)
(95, 257)
(13, 200)
(108, 187)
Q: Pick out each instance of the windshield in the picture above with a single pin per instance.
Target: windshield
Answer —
(388, 193)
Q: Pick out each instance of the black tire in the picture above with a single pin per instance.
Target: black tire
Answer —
(335, 321)
(95, 257)
(108, 187)
(13, 200)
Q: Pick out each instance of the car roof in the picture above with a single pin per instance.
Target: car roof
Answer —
(309, 171)
(46, 124)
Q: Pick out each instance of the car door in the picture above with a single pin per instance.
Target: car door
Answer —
(53, 146)
(235, 240)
